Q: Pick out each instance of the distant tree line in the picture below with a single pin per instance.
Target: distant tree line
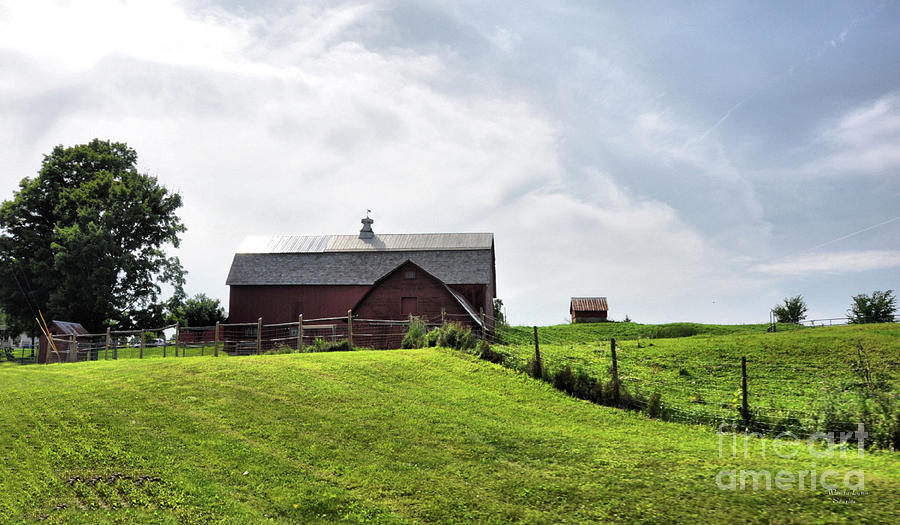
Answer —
(879, 307)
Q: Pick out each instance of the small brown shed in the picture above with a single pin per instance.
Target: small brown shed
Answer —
(588, 309)
(60, 330)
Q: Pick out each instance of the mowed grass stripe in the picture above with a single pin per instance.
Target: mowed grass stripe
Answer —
(420, 436)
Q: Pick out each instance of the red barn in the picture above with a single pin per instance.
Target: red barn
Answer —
(383, 276)
(588, 309)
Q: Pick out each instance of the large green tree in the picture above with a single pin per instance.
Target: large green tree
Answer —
(84, 240)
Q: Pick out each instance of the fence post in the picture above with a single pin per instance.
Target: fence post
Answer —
(259, 336)
(745, 405)
(106, 351)
(177, 337)
(116, 350)
(442, 315)
(350, 329)
(300, 333)
(216, 341)
(483, 326)
(73, 350)
(141, 355)
(615, 371)
(537, 369)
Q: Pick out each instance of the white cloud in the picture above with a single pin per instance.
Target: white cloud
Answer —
(639, 253)
(505, 40)
(73, 36)
(288, 125)
(833, 263)
(865, 140)
(303, 146)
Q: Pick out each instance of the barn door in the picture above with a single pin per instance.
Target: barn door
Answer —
(409, 306)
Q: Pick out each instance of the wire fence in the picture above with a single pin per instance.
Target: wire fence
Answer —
(21, 355)
(113, 344)
(762, 395)
(232, 339)
(839, 321)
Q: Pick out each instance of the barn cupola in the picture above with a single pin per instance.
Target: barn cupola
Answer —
(366, 231)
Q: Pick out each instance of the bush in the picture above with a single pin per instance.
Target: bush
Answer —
(415, 335)
(281, 349)
(626, 399)
(455, 335)
(672, 331)
(629, 400)
(564, 380)
(489, 354)
(588, 388)
(880, 413)
(654, 405)
(432, 337)
(321, 345)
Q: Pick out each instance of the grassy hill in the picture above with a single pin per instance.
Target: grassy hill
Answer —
(803, 378)
(374, 437)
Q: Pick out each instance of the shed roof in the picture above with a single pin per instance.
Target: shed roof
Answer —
(588, 304)
(379, 243)
(67, 328)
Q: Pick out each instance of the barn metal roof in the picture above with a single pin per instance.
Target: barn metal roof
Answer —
(379, 243)
(589, 304)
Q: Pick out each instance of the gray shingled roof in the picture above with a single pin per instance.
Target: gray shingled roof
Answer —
(454, 258)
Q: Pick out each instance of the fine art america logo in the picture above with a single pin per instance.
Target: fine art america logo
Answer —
(842, 487)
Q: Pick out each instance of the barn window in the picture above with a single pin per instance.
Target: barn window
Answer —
(410, 275)
(409, 305)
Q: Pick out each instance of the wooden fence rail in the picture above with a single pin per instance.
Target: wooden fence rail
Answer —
(231, 338)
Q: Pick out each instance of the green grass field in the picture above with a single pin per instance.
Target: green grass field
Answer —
(591, 333)
(791, 373)
(377, 437)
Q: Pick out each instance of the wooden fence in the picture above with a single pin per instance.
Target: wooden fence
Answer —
(232, 339)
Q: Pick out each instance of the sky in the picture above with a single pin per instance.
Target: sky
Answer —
(690, 161)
